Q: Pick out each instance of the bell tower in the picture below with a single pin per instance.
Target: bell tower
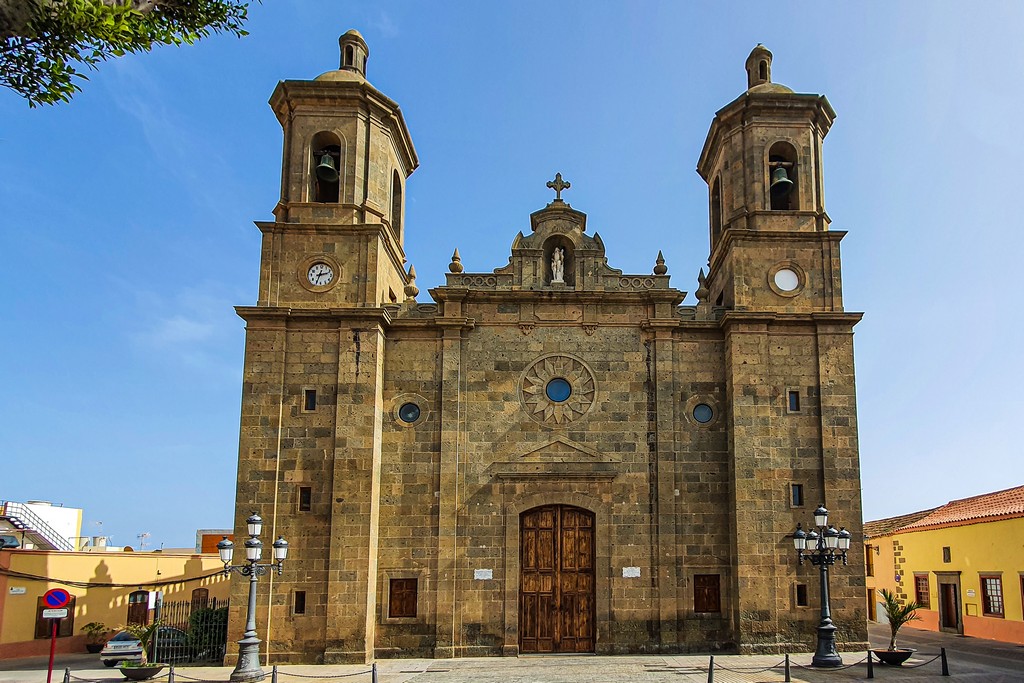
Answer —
(771, 248)
(339, 231)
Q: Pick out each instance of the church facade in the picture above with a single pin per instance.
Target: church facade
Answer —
(553, 456)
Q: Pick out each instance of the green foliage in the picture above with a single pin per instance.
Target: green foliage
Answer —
(95, 631)
(42, 58)
(144, 633)
(897, 613)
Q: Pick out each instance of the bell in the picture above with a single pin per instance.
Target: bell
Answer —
(328, 174)
(781, 184)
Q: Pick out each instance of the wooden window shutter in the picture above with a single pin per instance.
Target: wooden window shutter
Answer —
(706, 595)
(402, 598)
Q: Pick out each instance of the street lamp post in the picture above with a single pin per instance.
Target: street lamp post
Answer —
(248, 666)
(823, 547)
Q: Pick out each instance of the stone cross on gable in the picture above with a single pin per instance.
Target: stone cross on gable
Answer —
(558, 185)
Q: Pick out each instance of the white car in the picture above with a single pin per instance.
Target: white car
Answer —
(172, 646)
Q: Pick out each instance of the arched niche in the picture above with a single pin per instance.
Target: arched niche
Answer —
(715, 210)
(396, 204)
(568, 260)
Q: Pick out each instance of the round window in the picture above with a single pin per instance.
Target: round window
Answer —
(703, 413)
(558, 390)
(409, 412)
(787, 280)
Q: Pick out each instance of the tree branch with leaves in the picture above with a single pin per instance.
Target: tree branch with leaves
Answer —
(46, 44)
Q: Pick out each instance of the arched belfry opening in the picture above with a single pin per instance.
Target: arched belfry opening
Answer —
(396, 204)
(325, 168)
(354, 52)
(559, 261)
(783, 191)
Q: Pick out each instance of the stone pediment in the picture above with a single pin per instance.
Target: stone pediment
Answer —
(557, 458)
(561, 448)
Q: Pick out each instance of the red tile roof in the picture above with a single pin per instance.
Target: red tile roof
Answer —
(986, 507)
(884, 527)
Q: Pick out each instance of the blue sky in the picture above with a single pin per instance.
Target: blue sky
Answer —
(127, 233)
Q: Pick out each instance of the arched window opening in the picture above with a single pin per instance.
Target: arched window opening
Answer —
(782, 177)
(716, 211)
(349, 56)
(325, 179)
(396, 204)
(200, 598)
(762, 70)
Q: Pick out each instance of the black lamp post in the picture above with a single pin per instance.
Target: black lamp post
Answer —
(248, 666)
(823, 547)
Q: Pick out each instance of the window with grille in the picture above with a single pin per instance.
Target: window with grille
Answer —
(921, 594)
(402, 598)
(992, 596)
(706, 594)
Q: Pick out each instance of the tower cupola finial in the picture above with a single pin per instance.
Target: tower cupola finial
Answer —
(354, 52)
(759, 66)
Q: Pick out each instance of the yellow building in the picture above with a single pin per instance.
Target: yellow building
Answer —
(109, 587)
(963, 561)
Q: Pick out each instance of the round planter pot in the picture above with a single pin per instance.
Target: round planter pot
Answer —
(93, 648)
(893, 657)
(141, 673)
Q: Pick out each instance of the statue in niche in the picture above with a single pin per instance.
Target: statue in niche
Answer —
(558, 266)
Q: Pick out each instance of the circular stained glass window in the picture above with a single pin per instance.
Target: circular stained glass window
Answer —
(787, 280)
(558, 390)
(702, 413)
(409, 412)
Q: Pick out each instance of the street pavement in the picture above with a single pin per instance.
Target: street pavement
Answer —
(970, 660)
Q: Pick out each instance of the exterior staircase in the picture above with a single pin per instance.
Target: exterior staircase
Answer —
(31, 527)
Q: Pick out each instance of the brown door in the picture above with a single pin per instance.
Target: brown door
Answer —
(556, 590)
(949, 611)
(872, 614)
(138, 607)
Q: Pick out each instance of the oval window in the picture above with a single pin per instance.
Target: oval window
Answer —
(703, 413)
(409, 412)
(787, 280)
(558, 390)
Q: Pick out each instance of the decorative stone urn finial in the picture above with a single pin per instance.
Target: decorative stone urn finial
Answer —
(702, 287)
(456, 265)
(411, 290)
(659, 264)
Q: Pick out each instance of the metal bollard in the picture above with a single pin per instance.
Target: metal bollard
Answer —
(67, 675)
(788, 678)
(945, 664)
(170, 675)
(711, 670)
(373, 673)
(871, 666)
(273, 674)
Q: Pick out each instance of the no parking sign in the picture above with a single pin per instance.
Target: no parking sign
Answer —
(56, 597)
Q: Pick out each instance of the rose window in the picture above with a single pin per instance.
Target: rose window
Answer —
(557, 390)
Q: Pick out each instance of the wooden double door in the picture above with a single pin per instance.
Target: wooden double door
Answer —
(556, 587)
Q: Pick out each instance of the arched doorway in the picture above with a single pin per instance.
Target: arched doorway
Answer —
(556, 585)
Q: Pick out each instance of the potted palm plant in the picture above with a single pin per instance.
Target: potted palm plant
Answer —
(143, 669)
(95, 636)
(898, 615)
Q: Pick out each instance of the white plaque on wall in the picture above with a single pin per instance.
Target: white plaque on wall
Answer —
(483, 574)
(17, 590)
(970, 592)
(631, 572)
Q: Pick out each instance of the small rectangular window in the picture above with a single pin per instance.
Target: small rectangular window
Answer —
(796, 495)
(706, 594)
(869, 560)
(309, 399)
(794, 401)
(801, 595)
(992, 595)
(305, 498)
(921, 594)
(946, 555)
(65, 627)
(299, 602)
(402, 598)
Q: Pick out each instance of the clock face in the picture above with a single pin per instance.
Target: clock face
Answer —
(320, 274)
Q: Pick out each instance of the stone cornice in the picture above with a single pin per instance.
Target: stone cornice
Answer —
(735, 235)
(278, 316)
(734, 319)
